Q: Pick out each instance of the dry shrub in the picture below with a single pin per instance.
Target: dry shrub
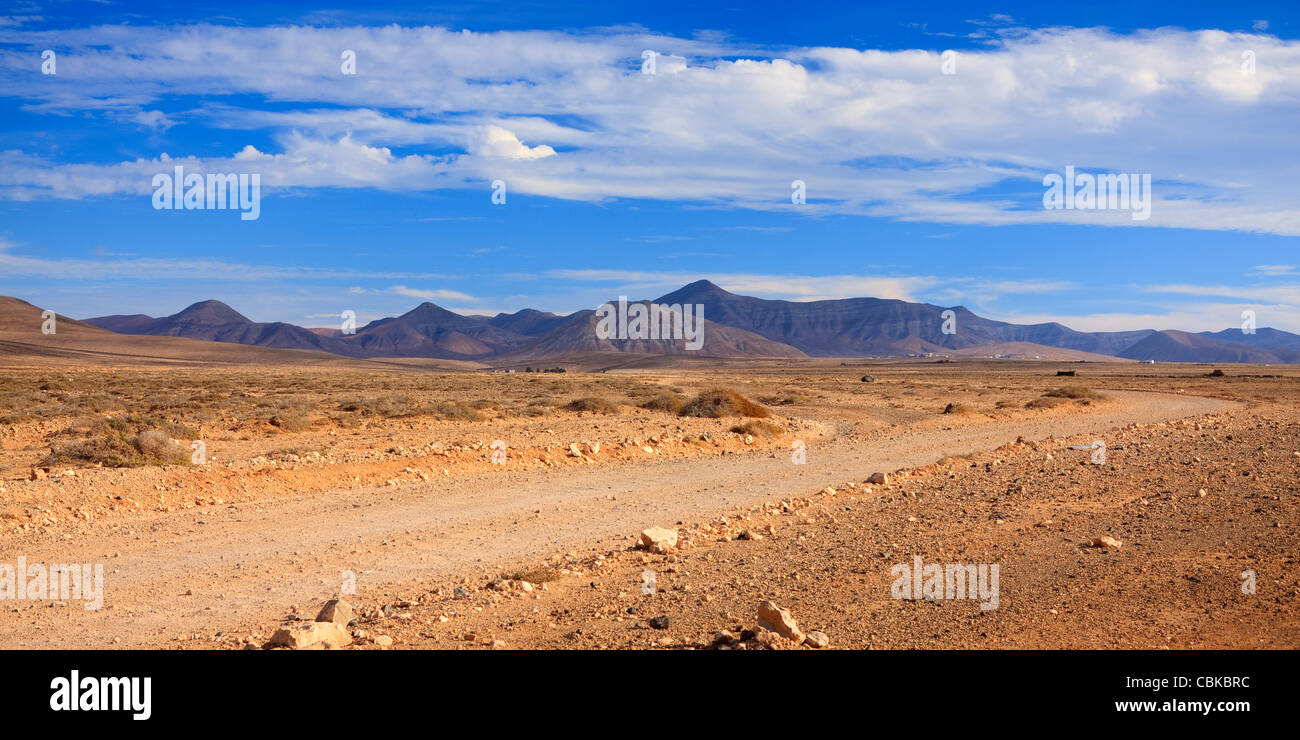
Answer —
(385, 407)
(456, 411)
(538, 575)
(759, 429)
(720, 402)
(155, 444)
(291, 422)
(594, 404)
(1045, 403)
(1077, 392)
(133, 424)
(785, 399)
(150, 447)
(665, 401)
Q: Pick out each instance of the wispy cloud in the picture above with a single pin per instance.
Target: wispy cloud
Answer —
(1272, 270)
(150, 268)
(431, 295)
(817, 287)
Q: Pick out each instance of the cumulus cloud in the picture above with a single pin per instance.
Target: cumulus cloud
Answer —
(495, 141)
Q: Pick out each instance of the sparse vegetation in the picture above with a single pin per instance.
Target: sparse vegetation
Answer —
(456, 411)
(785, 399)
(150, 447)
(759, 428)
(594, 404)
(666, 401)
(291, 422)
(720, 402)
(1076, 392)
(537, 575)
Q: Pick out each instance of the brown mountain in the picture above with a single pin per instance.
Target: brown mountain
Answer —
(431, 331)
(217, 322)
(79, 343)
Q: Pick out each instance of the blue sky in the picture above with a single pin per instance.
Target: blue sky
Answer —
(920, 185)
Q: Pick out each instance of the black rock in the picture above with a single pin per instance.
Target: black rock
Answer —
(659, 623)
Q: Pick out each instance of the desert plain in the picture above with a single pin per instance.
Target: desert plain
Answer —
(463, 507)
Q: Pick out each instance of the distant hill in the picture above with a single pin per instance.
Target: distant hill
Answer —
(1264, 338)
(431, 331)
(737, 326)
(529, 322)
(217, 322)
(1181, 346)
(80, 343)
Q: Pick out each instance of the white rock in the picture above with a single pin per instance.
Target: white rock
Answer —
(659, 539)
(778, 620)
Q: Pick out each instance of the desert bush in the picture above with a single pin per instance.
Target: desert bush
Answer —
(664, 401)
(594, 404)
(385, 407)
(154, 444)
(1045, 403)
(456, 411)
(150, 447)
(719, 402)
(291, 422)
(785, 399)
(1076, 392)
(759, 428)
(132, 424)
(537, 575)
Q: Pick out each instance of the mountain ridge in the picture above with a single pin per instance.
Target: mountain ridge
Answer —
(735, 326)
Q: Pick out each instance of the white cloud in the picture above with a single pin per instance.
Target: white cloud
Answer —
(569, 115)
(494, 141)
(431, 295)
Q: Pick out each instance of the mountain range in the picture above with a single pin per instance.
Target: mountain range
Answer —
(735, 326)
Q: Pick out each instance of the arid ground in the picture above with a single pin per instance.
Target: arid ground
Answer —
(318, 479)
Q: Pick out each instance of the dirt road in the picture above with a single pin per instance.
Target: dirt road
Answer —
(202, 571)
